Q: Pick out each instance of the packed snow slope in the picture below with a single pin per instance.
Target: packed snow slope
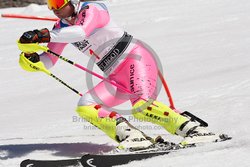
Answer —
(204, 50)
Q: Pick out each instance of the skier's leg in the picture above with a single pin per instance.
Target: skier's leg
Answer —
(91, 107)
(143, 80)
(111, 123)
(140, 74)
(188, 126)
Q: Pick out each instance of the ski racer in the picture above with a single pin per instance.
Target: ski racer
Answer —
(88, 26)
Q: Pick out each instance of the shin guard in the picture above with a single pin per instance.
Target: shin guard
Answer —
(159, 114)
(106, 124)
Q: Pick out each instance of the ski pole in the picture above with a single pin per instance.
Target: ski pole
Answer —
(97, 75)
(65, 84)
(39, 66)
(89, 71)
(29, 17)
(35, 47)
(171, 102)
(55, 19)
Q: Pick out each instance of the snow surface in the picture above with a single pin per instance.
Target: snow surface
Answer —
(204, 48)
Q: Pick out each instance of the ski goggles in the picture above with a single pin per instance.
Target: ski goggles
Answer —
(56, 4)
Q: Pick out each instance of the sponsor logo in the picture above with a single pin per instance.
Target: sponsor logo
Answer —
(153, 116)
(30, 165)
(109, 59)
(132, 73)
(34, 67)
(83, 17)
(114, 54)
(82, 45)
(90, 162)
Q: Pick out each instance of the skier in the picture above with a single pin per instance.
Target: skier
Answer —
(88, 26)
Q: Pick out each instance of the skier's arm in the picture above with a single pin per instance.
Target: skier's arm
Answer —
(42, 36)
(48, 59)
(57, 47)
(88, 20)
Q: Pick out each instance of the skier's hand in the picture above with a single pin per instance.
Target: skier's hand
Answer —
(30, 62)
(40, 36)
(33, 57)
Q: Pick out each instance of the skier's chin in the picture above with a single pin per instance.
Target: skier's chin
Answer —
(60, 16)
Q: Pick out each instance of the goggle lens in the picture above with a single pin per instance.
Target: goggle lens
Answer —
(56, 4)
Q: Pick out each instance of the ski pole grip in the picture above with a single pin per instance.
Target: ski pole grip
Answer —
(31, 47)
(30, 66)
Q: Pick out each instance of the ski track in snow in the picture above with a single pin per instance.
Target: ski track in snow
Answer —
(204, 49)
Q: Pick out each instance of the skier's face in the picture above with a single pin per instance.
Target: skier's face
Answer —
(64, 12)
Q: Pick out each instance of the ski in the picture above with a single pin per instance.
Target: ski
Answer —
(91, 160)
(107, 160)
(116, 158)
(51, 163)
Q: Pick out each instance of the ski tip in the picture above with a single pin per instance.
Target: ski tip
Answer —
(219, 138)
(25, 163)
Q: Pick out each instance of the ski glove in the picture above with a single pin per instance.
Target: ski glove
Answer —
(31, 63)
(33, 57)
(40, 36)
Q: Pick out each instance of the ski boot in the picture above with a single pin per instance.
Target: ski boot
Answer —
(158, 113)
(130, 138)
(116, 127)
(195, 132)
(193, 129)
